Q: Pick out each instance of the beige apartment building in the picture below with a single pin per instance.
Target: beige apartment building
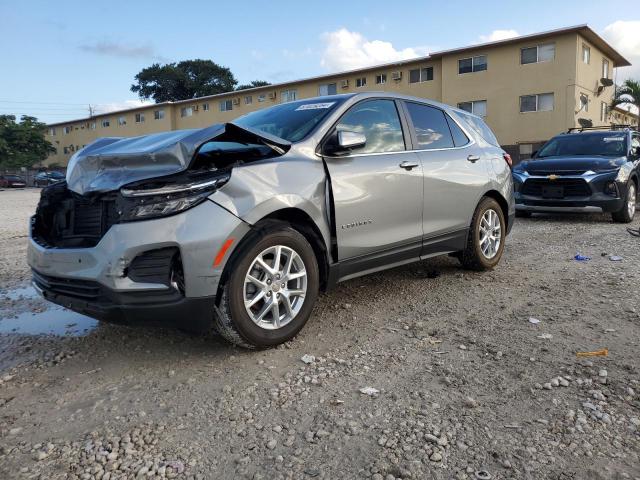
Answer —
(527, 88)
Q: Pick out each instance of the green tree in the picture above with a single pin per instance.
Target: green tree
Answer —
(183, 80)
(628, 94)
(22, 144)
(253, 84)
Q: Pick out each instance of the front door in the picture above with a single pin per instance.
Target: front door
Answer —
(377, 188)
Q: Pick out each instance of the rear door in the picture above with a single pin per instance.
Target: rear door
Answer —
(454, 175)
(377, 188)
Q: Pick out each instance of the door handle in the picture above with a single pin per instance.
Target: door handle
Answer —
(408, 165)
(473, 158)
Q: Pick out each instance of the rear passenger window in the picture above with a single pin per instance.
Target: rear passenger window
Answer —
(479, 127)
(459, 137)
(380, 123)
(431, 128)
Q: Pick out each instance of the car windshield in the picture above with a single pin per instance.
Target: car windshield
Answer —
(290, 121)
(606, 144)
(56, 175)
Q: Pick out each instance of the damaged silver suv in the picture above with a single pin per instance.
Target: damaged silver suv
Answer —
(239, 226)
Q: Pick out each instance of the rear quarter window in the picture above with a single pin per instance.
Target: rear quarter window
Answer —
(478, 126)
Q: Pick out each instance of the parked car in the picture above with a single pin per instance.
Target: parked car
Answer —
(240, 225)
(43, 179)
(588, 170)
(12, 181)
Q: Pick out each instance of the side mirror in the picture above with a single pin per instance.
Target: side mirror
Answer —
(348, 140)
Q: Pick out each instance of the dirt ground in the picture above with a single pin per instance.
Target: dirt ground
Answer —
(475, 375)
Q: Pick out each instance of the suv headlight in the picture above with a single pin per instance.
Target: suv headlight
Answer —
(145, 201)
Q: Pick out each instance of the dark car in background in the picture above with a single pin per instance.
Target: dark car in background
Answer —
(12, 181)
(43, 179)
(586, 170)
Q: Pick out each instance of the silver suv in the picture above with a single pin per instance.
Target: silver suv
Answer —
(240, 225)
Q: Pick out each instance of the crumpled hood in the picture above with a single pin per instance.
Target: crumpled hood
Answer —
(109, 163)
(546, 166)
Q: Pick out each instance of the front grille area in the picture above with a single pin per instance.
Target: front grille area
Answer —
(571, 187)
(80, 289)
(545, 173)
(65, 219)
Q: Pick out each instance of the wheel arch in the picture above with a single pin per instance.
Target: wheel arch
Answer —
(504, 205)
(295, 218)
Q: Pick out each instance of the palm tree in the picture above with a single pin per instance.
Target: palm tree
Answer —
(628, 94)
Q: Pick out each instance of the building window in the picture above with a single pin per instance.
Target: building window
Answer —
(605, 68)
(381, 78)
(205, 107)
(419, 75)
(542, 102)
(477, 107)
(604, 110)
(226, 105)
(248, 99)
(139, 117)
(538, 54)
(158, 114)
(361, 82)
(92, 125)
(262, 97)
(586, 54)
(473, 64)
(288, 95)
(106, 123)
(186, 112)
(525, 150)
(52, 132)
(67, 130)
(584, 102)
(122, 121)
(327, 89)
(65, 150)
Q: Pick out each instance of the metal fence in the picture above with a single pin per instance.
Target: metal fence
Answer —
(29, 173)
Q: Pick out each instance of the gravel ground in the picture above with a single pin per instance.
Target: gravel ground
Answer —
(425, 371)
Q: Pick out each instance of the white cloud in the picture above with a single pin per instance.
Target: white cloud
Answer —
(346, 50)
(124, 105)
(624, 36)
(498, 35)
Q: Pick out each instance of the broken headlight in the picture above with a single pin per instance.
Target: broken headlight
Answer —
(153, 200)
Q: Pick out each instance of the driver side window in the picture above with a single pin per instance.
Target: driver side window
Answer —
(378, 120)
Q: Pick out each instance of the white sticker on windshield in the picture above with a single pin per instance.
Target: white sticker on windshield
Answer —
(613, 139)
(315, 106)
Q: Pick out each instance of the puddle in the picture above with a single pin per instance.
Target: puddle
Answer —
(53, 320)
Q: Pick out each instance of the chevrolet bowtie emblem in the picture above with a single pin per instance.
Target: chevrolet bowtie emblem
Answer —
(552, 177)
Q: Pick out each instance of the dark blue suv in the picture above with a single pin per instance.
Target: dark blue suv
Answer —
(583, 170)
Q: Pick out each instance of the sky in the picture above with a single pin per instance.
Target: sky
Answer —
(58, 57)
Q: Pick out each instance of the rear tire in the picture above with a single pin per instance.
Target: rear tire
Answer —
(282, 306)
(628, 210)
(485, 240)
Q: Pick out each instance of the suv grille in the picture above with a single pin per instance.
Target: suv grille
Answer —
(571, 187)
(81, 289)
(66, 219)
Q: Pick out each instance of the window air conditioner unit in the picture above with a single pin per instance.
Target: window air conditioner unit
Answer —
(236, 101)
(272, 95)
(344, 84)
(396, 76)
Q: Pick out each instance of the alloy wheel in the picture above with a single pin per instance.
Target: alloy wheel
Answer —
(490, 233)
(275, 287)
(631, 200)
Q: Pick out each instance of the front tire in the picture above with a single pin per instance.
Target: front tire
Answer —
(271, 290)
(628, 210)
(485, 240)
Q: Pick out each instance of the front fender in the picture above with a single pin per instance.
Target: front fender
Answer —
(257, 190)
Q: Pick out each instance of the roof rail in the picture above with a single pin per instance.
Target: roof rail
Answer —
(602, 127)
